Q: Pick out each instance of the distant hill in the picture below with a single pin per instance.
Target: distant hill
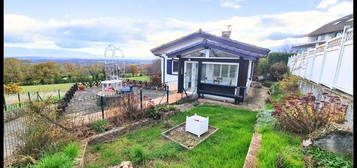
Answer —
(79, 61)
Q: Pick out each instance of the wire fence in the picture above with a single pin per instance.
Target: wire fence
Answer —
(87, 106)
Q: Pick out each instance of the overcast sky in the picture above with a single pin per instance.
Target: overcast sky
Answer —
(83, 28)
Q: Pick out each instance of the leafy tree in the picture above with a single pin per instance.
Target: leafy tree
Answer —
(155, 67)
(134, 69)
(45, 73)
(262, 67)
(275, 57)
(96, 71)
(12, 70)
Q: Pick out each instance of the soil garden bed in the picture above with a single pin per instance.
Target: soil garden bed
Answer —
(187, 140)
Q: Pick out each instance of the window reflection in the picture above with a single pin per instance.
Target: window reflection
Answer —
(219, 73)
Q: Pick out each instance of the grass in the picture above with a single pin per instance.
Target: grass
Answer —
(48, 88)
(276, 143)
(278, 148)
(63, 159)
(99, 125)
(147, 148)
(140, 78)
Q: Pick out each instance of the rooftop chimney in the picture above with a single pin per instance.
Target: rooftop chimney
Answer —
(227, 34)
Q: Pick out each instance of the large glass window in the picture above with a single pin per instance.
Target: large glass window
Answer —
(219, 73)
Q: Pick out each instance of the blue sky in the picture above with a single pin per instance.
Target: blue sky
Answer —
(83, 28)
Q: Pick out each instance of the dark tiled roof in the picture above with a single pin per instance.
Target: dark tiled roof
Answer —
(336, 25)
(226, 41)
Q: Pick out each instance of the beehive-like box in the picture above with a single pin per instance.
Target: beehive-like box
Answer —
(196, 124)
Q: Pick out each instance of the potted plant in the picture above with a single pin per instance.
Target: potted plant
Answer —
(82, 87)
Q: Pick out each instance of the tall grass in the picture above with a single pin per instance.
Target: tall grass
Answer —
(62, 159)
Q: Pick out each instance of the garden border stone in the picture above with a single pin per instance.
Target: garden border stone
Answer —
(251, 158)
(189, 148)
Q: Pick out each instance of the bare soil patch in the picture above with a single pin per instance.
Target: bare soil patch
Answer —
(187, 139)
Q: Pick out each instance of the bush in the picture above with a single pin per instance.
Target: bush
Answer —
(278, 70)
(12, 88)
(99, 125)
(305, 114)
(44, 129)
(156, 111)
(155, 80)
(328, 159)
(127, 108)
(289, 84)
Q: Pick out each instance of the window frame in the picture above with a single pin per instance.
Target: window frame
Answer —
(172, 66)
(229, 70)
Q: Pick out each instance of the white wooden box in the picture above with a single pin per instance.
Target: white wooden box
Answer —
(197, 125)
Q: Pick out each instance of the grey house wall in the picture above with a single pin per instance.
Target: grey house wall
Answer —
(317, 90)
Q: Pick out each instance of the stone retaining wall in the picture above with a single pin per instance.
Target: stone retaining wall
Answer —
(318, 90)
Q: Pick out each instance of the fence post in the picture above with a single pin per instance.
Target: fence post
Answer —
(5, 103)
(167, 95)
(141, 99)
(28, 93)
(18, 97)
(102, 106)
(59, 94)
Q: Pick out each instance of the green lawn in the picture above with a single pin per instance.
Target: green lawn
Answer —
(47, 88)
(276, 143)
(140, 78)
(147, 148)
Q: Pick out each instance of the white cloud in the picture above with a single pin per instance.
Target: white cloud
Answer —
(231, 4)
(326, 3)
(137, 37)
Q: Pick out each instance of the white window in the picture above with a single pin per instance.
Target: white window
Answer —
(220, 73)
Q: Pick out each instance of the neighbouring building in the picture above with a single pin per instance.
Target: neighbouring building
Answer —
(205, 64)
(325, 33)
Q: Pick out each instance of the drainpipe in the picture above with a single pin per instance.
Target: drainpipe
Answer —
(163, 69)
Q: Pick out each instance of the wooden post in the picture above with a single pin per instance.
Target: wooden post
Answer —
(59, 94)
(167, 95)
(18, 97)
(141, 99)
(5, 104)
(28, 93)
(102, 105)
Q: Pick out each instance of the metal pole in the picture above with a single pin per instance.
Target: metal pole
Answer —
(167, 95)
(102, 105)
(28, 93)
(141, 99)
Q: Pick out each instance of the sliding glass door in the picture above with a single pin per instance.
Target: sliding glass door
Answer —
(190, 76)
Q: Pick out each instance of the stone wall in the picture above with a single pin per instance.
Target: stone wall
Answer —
(318, 89)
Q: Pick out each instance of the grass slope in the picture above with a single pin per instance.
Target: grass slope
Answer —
(147, 148)
(140, 78)
(47, 88)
